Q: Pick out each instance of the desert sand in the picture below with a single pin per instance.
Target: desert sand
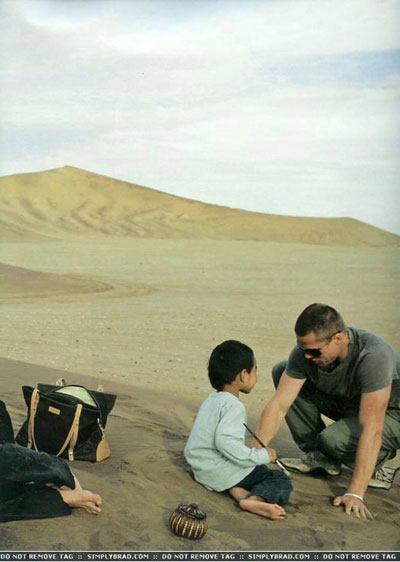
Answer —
(107, 282)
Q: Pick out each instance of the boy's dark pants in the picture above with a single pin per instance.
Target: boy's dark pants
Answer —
(272, 485)
(339, 440)
(23, 477)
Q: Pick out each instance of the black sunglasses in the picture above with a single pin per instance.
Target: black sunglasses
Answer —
(315, 352)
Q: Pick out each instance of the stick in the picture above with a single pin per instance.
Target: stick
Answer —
(262, 445)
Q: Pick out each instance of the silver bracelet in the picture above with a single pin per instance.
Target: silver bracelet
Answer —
(354, 496)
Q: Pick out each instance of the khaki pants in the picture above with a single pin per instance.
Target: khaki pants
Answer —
(340, 439)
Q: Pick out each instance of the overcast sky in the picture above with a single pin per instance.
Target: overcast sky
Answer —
(279, 106)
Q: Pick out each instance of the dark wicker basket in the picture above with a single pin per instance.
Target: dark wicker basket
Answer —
(188, 521)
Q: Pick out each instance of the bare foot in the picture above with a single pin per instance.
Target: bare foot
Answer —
(268, 510)
(82, 498)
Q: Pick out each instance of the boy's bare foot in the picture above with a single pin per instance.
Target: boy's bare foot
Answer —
(268, 510)
(82, 498)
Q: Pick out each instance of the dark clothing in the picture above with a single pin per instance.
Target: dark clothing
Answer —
(6, 430)
(23, 477)
(33, 501)
(272, 485)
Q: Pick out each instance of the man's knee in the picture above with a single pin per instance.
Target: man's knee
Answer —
(277, 372)
(327, 443)
(338, 440)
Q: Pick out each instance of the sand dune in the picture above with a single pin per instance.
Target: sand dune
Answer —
(146, 477)
(70, 201)
(151, 347)
(107, 282)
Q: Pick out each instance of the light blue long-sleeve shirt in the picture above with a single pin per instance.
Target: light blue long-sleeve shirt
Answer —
(216, 450)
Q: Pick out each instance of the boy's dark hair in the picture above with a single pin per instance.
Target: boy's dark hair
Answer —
(321, 319)
(227, 360)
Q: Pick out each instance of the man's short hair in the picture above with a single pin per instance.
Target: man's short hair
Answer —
(321, 319)
(227, 360)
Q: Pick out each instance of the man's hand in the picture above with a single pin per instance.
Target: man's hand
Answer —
(353, 506)
(272, 454)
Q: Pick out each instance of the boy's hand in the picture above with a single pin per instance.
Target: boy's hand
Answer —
(272, 454)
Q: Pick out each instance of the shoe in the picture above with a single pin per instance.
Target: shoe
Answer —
(311, 462)
(384, 476)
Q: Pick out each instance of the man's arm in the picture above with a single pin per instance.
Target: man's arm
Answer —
(372, 418)
(275, 410)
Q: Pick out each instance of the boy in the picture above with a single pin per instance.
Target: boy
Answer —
(216, 450)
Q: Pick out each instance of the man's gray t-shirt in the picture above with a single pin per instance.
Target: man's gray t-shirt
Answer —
(371, 364)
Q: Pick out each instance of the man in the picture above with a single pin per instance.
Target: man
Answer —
(352, 377)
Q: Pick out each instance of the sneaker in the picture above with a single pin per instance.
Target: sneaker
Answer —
(311, 462)
(384, 476)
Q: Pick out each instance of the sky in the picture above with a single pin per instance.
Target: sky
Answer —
(280, 106)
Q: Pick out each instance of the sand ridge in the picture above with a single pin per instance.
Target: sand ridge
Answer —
(69, 201)
(20, 283)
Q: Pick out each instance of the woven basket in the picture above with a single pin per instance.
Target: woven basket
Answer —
(188, 521)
